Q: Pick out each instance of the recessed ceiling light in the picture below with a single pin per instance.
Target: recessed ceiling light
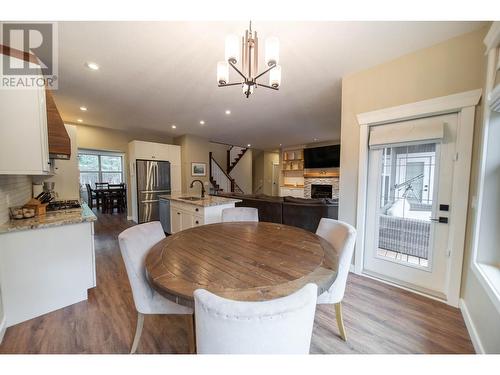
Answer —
(315, 139)
(228, 112)
(202, 122)
(79, 120)
(249, 145)
(92, 65)
(174, 127)
(280, 144)
(83, 108)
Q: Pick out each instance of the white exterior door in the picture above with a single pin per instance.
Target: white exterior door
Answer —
(407, 213)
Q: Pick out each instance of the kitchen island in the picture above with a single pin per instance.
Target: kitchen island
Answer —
(187, 211)
(46, 263)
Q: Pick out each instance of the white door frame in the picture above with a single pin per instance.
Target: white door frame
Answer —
(464, 105)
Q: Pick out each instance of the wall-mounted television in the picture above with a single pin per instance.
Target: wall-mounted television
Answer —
(322, 157)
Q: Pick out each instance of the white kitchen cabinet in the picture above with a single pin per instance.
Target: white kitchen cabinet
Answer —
(175, 179)
(174, 154)
(42, 270)
(24, 146)
(156, 151)
(175, 220)
(297, 192)
(185, 215)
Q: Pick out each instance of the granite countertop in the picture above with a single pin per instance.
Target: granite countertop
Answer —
(208, 201)
(50, 219)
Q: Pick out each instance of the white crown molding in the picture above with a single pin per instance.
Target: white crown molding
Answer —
(424, 108)
(492, 39)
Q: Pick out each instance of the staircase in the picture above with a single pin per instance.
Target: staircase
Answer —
(220, 179)
(234, 154)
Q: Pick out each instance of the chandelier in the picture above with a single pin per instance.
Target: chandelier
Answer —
(246, 52)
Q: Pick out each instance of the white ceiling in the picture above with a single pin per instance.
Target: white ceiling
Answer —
(155, 74)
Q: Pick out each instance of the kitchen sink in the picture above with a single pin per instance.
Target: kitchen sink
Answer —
(191, 198)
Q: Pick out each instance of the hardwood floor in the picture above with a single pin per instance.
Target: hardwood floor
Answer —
(378, 318)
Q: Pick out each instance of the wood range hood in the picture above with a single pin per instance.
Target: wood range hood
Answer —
(59, 141)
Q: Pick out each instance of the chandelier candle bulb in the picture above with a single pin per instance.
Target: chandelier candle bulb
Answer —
(222, 72)
(275, 77)
(232, 49)
(248, 67)
(272, 51)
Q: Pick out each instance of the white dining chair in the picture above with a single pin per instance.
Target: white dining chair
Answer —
(342, 237)
(280, 326)
(240, 214)
(135, 242)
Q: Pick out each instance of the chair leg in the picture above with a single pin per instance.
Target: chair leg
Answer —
(138, 332)
(340, 320)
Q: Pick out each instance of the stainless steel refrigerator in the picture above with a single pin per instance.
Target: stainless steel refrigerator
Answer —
(153, 179)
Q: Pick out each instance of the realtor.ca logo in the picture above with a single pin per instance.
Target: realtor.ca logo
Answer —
(29, 55)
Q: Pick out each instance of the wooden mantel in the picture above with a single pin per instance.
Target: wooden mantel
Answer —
(321, 174)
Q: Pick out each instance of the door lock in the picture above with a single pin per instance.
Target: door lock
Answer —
(441, 219)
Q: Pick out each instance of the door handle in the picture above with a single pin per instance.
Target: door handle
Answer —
(441, 219)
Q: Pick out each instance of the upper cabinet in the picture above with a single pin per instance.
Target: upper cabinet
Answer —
(156, 151)
(24, 145)
(31, 128)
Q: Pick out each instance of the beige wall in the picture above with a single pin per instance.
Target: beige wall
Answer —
(263, 171)
(197, 149)
(450, 67)
(258, 171)
(97, 138)
(270, 158)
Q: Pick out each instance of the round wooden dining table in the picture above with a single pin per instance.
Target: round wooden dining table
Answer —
(244, 261)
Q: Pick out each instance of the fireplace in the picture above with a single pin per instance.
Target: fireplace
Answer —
(321, 191)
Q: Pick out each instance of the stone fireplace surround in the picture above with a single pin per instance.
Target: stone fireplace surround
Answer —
(333, 181)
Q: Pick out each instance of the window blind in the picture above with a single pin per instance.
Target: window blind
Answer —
(426, 130)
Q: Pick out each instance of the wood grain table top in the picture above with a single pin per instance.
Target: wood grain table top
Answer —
(242, 261)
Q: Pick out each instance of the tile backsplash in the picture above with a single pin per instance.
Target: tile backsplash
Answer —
(14, 191)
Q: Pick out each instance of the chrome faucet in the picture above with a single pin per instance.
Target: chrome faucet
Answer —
(202, 187)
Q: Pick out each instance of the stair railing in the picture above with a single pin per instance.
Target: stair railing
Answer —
(220, 179)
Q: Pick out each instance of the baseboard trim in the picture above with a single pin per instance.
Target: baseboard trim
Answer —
(3, 328)
(129, 218)
(351, 268)
(471, 328)
(388, 282)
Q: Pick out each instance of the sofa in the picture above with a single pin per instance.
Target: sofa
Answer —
(297, 212)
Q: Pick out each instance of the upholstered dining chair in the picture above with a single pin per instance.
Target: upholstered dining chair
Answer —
(240, 214)
(135, 242)
(279, 326)
(342, 237)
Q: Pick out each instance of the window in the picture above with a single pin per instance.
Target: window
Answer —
(100, 167)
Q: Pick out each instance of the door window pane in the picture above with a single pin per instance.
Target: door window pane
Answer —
(405, 203)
